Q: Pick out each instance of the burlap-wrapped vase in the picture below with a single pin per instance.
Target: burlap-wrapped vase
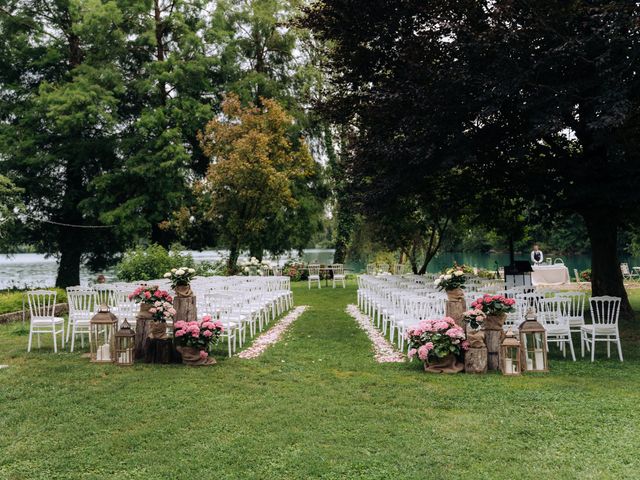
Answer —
(448, 364)
(494, 322)
(183, 291)
(144, 313)
(191, 356)
(475, 337)
(157, 330)
(455, 295)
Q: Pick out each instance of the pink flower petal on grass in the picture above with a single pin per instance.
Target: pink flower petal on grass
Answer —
(272, 335)
(384, 351)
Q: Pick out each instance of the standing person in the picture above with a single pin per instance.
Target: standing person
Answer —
(537, 257)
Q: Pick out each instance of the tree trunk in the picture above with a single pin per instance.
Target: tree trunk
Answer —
(69, 268)
(234, 252)
(606, 277)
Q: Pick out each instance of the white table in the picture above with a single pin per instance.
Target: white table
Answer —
(557, 274)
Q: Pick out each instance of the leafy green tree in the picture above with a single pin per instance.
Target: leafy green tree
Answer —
(169, 75)
(542, 91)
(10, 207)
(59, 118)
(261, 188)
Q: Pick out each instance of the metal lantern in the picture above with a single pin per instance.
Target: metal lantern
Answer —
(125, 344)
(533, 343)
(510, 354)
(102, 335)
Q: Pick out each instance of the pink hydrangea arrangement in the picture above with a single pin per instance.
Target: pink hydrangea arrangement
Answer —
(436, 339)
(494, 305)
(201, 334)
(475, 318)
(161, 302)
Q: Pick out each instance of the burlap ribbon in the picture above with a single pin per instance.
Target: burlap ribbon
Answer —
(494, 322)
(455, 295)
(183, 291)
(475, 338)
(191, 356)
(448, 364)
(157, 330)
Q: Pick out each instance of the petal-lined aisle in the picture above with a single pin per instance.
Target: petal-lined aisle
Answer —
(384, 351)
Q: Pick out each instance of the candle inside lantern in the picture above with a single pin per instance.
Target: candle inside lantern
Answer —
(103, 354)
(508, 365)
(529, 364)
(539, 359)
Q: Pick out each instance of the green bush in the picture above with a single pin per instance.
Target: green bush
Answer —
(11, 300)
(152, 262)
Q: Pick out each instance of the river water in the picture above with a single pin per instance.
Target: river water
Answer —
(34, 270)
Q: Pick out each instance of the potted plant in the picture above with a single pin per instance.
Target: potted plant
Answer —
(181, 280)
(438, 343)
(474, 319)
(452, 281)
(195, 340)
(495, 309)
(156, 307)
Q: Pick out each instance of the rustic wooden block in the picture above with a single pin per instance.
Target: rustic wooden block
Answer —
(493, 339)
(455, 309)
(475, 360)
(185, 308)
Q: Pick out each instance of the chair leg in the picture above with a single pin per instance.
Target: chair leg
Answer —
(73, 336)
(573, 354)
(55, 339)
(593, 346)
(582, 344)
(30, 337)
(619, 348)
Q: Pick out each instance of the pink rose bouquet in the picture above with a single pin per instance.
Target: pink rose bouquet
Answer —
(201, 334)
(494, 305)
(475, 318)
(436, 339)
(161, 302)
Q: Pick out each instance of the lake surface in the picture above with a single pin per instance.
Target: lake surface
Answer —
(34, 270)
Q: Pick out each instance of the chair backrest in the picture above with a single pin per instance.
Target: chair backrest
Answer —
(82, 300)
(577, 275)
(371, 268)
(337, 268)
(105, 294)
(552, 311)
(575, 308)
(605, 310)
(42, 303)
(399, 268)
(314, 269)
(624, 268)
(383, 268)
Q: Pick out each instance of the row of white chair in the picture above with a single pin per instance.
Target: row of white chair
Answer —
(240, 303)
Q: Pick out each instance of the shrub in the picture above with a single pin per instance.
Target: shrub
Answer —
(585, 275)
(149, 263)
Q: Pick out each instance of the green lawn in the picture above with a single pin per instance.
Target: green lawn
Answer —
(316, 405)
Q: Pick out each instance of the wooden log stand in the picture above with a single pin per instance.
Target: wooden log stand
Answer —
(493, 335)
(475, 359)
(148, 347)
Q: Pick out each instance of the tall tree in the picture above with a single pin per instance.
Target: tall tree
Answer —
(260, 187)
(170, 75)
(58, 118)
(543, 90)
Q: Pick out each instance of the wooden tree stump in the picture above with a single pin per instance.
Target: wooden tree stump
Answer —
(185, 309)
(475, 360)
(493, 339)
(455, 309)
(149, 348)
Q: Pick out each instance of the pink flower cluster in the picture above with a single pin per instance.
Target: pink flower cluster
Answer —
(198, 333)
(144, 294)
(494, 304)
(436, 337)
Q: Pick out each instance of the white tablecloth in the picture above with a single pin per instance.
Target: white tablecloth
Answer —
(550, 275)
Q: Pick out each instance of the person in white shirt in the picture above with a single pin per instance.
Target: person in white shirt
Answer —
(537, 257)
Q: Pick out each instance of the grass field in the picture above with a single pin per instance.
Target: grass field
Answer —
(315, 405)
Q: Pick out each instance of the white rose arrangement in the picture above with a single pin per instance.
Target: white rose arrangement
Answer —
(451, 279)
(180, 276)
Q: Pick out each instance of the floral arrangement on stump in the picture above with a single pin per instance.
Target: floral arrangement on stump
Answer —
(438, 343)
(250, 267)
(494, 308)
(452, 281)
(157, 306)
(181, 280)
(195, 340)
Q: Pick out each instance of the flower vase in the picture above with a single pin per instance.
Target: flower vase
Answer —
(192, 356)
(455, 295)
(183, 291)
(157, 330)
(447, 364)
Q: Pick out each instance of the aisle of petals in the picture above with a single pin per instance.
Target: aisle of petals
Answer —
(384, 351)
(272, 335)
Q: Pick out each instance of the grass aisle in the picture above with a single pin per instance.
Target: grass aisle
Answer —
(314, 405)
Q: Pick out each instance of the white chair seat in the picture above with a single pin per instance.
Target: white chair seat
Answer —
(599, 329)
(47, 320)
